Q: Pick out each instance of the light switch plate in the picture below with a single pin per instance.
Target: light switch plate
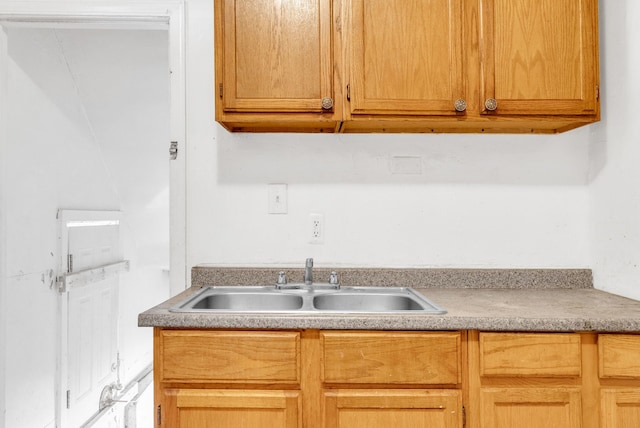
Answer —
(277, 198)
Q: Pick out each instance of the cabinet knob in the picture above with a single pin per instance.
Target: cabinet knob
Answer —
(327, 103)
(460, 104)
(491, 104)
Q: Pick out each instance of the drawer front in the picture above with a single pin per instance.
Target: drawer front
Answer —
(391, 358)
(230, 356)
(619, 356)
(530, 354)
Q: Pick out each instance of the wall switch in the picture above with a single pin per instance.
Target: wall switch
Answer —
(277, 198)
(316, 223)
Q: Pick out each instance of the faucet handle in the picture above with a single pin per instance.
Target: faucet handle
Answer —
(309, 262)
(333, 279)
(282, 279)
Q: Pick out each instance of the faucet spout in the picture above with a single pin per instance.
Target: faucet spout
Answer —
(308, 272)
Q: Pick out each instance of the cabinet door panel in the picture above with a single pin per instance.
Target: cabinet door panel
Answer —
(619, 356)
(530, 354)
(408, 358)
(277, 56)
(540, 56)
(531, 407)
(235, 409)
(620, 408)
(393, 408)
(406, 56)
(229, 356)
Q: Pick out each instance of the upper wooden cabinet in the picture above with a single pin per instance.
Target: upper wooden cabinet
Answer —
(539, 57)
(407, 65)
(405, 57)
(274, 65)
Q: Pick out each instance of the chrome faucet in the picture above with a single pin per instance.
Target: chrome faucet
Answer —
(308, 272)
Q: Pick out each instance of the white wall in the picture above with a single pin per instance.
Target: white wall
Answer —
(504, 201)
(615, 157)
(87, 129)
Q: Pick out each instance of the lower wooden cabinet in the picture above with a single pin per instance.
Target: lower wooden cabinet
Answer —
(226, 408)
(530, 407)
(527, 380)
(619, 377)
(395, 379)
(383, 408)
(620, 407)
(311, 379)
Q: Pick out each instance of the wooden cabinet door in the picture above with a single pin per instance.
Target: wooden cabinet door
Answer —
(274, 55)
(199, 408)
(405, 57)
(383, 408)
(620, 408)
(539, 56)
(558, 407)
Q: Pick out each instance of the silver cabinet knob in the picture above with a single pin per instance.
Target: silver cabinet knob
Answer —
(491, 104)
(327, 103)
(460, 104)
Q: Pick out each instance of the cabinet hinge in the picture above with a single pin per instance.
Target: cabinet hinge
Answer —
(173, 150)
(159, 415)
(464, 417)
(348, 93)
(220, 90)
(597, 93)
(68, 398)
(69, 263)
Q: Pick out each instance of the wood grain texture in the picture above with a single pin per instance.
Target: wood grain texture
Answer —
(230, 356)
(540, 56)
(619, 356)
(276, 56)
(620, 408)
(531, 407)
(198, 408)
(406, 56)
(386, 408)
(391, 358)
(530, 355)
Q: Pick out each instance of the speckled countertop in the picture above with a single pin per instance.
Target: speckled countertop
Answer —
(494, 300)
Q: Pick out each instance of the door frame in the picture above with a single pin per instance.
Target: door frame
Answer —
(115, 14)
(133, 14)
(3, 212)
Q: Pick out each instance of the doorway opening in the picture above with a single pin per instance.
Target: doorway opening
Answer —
(90, 105)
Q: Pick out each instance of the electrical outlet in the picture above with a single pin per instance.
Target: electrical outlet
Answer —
(317, 228)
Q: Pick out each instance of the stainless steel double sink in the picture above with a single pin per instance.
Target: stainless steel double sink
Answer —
(308, 299)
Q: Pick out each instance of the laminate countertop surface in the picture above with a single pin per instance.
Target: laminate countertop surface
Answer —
(488, 309)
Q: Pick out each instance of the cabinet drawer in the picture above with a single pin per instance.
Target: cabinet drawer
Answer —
(619, 355)
(530, 354)
(391, 358)
(229, 356)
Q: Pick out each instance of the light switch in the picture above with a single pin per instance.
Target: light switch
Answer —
(277, 198)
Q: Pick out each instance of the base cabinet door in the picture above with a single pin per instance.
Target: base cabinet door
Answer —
(199, 408)
(620, 408)
(531, 407)
(393, 408)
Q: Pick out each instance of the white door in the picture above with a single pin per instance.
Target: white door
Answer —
(90, 244)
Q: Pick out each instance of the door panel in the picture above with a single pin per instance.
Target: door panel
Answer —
(539, 56)
(276, 57)
(406, 56)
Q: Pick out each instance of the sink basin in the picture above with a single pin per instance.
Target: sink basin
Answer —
(247, 299)
(249, 302)
(304, 299)
(368, 302)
